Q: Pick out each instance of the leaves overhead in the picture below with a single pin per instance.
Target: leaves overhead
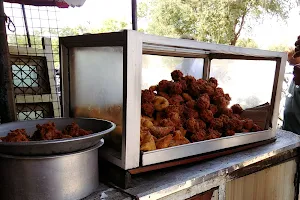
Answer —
(219, 21)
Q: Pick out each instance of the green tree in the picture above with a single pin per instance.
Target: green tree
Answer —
(219, 21)
(279, 47)
(249, 43)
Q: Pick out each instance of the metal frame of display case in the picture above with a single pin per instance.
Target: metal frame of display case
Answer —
(135, 44)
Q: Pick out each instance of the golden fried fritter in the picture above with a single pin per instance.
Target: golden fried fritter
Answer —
(160, 132)
(164, 142)
(148, 143)
(178, 139)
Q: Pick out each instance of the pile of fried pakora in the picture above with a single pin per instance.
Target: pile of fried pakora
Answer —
(46, 131)
(187, 110)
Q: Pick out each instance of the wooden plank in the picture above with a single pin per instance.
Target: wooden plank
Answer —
(208, 195)
(197, 158)
(276, 183)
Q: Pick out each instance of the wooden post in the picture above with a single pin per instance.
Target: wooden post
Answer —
(7, 104)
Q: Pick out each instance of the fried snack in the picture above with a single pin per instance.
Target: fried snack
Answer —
(146, 122)
(176, 88)
(163, 86)
(216, 124)
(178, 139)
(182, 131)
(160, 103)
(187, 97)
(191, 104)
(199, 136)
(46, 131)
(212, 134)
(167, 122)
(226, 111)
(75, 131)
(248, 124)
(206, 116)
(186, 108)
(175, 118)
(148, 143)
(203, 102)
(153, 88)
(177, 75)
(213, 108)
(164, 142)
(18, 135)
(190, 113)
(147, 96)
(160, 132)
(229, 133)
(148, 109)
(213, 82)
(163, 94)
(173, 108)
(237, 109)
(256, 128)
(208, 89)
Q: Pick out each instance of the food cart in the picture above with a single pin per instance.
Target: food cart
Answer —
(102, 77)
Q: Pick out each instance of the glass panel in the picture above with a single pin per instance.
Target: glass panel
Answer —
(25, 76)
(97, 85)
(157, 68)
(248, 82)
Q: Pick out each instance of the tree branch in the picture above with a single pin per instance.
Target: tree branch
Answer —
(237, 35)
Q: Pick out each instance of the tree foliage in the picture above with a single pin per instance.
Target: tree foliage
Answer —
(279, 47)
(249, 43)
(219, 21)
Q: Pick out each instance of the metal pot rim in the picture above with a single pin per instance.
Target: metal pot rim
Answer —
(101, 142)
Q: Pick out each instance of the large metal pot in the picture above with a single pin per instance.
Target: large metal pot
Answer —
(64, 177)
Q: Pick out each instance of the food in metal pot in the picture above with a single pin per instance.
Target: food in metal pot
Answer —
(46, 131)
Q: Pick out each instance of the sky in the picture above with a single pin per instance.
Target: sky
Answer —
(94, 12)
(268, 33)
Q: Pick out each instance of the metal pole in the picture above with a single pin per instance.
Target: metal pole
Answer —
(26, 25)
(134, 14)
(7, 104)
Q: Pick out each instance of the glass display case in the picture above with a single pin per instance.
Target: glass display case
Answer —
(102, 76)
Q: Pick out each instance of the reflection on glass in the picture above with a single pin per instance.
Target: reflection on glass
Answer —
(249, 83)
(96, 85)
(157, 68)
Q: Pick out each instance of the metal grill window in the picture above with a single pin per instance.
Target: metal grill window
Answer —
(32, 111)
(25, 76)
(30, 75)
